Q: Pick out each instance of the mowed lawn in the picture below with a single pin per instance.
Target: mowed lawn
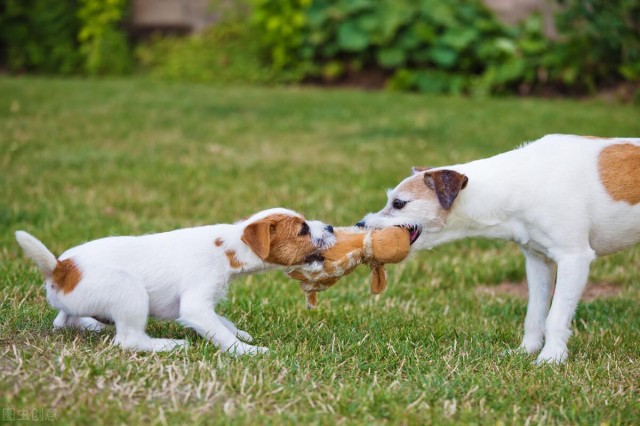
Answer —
(84, 159)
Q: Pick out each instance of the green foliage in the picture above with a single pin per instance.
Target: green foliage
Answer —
(65, 37)
(225, 53)
(282, 28)
(451, 46)
(40, 35)
(103, 44)
(601, 43)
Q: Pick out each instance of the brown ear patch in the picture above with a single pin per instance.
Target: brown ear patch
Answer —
(619, 166)
(447, 184)
(257, 236)
(66, 275)
(233, 260)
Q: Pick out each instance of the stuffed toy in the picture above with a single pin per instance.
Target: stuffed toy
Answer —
(353, 246)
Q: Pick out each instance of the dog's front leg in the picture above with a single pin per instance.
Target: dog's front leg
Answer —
(241, 334)
(539, 279)
(196, 312)
(573, 272)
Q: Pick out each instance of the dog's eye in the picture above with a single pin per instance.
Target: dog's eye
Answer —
(304, 230)
(399, 204)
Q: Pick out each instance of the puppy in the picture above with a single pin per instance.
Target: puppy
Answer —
(179, 275)
(564, 199)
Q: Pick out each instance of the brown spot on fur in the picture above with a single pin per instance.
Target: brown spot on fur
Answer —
(66, 275)
(276, 239)
(619, 166)
(233, 260)
(219, 242)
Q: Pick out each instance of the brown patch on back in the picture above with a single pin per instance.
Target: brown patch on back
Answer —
(520, 290)
(619, 166)
(233, 260)
(66, 275)
(218, 242)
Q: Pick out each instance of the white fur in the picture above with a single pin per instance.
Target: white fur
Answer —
(179, 275)
(547, 197)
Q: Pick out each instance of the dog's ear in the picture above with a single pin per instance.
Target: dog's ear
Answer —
(257, 236)
(447, 184)
(417, 169)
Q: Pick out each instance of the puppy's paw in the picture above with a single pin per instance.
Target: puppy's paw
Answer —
(243, 335)
(241, 348)
(90, 324)
(165, 345)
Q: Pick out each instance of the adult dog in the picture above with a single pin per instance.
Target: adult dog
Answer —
(564, 199)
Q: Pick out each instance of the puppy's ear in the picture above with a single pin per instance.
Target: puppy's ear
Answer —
(257, 236)
(447, 184)
(417, 169)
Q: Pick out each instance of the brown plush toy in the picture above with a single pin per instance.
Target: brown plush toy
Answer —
(353, 247)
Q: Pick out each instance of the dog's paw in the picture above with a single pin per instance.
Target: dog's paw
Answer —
(243, 335)
(90, 324)
(552, 355)
(530, 345)
(240, 348)
(165, 345)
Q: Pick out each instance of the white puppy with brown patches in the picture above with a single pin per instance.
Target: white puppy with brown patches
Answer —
(179, 275)
(564, 199)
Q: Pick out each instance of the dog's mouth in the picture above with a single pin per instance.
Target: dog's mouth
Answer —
(414, 232)
(314, 257)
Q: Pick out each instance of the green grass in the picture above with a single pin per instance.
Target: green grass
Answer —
(86, 159)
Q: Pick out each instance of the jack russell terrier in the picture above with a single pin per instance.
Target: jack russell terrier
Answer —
(564, 199)
(179, 275)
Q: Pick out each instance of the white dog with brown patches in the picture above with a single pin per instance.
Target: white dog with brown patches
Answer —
(178, 275)
(564, 199)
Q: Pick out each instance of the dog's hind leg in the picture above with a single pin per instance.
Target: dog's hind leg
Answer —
(64, 320)
(540, 272)
(573, 272)
(116, 294)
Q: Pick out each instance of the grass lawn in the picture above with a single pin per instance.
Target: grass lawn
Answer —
(85, 159)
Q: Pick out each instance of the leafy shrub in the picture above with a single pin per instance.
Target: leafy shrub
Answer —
(224, 53)
(103, 44)
(40, 35)
(451, 46)
(70, 36)
(600, 44)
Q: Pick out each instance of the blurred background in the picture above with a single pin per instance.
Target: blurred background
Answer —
(471, 47)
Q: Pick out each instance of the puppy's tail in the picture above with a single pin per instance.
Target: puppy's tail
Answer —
(37, 251)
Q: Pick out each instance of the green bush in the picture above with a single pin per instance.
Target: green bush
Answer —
(71, 36)
(103, 44)
(451, 46)
(225, 53)
(600, 44)
(40, 35)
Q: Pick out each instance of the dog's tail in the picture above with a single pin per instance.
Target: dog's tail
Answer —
(37, 251)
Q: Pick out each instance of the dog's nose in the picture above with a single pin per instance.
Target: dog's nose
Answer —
(329, 228)
(360, 224)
